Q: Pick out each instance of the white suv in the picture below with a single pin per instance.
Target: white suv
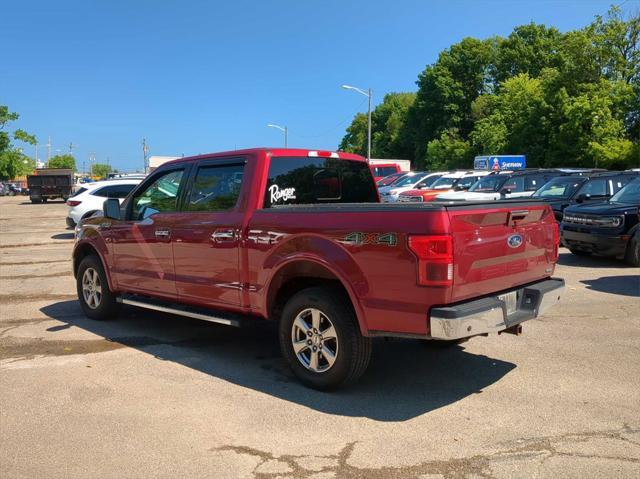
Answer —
(90, 198)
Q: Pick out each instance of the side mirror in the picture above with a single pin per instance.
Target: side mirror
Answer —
(505, 191)
(111, 208)
(582, 198)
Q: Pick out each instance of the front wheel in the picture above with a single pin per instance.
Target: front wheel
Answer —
(321, 340)
(632, 255)
(96, 300)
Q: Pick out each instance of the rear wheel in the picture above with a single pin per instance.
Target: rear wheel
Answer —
(36, 201)
(321, 340)
(96, 300)
(632, 255)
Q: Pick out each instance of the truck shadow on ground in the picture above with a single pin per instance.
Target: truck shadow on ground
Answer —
(406, 378)
(624, 285)
(567, 258)
(63, 236)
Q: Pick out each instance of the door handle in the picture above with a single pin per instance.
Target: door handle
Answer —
(219, 236)
(162, 233)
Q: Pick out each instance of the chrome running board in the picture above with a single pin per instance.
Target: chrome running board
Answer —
(181, 312)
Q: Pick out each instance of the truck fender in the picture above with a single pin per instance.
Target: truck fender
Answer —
(96, 243)
(326, 254)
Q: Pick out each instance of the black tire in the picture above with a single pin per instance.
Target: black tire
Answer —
(44, 200)
(106, 307)
(632, 255)
(579, 252)
(353, 351)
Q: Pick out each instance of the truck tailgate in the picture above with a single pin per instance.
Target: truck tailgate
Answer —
(499, 247)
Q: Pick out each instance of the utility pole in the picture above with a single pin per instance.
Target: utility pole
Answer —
(71, 147)
(145, 151)
(49, 151)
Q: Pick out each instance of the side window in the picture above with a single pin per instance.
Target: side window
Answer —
(515, 184)
(216, 188)
(597, 187)
(161, 196)
(619, 183)
(532, 183)
(114, 191)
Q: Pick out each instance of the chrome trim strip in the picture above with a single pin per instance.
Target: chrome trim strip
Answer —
(165, 309)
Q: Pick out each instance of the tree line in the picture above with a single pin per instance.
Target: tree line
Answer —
(563, 99)
(15, 163)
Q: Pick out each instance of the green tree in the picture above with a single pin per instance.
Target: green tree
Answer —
(62, 161)
(355, 140)
(528, 49)
(447, 90)
(12, 161)
(448, 151)
(388, 121)
(100, 170)
(517, 123)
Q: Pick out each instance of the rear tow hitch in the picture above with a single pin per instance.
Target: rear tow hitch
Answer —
(517, 330)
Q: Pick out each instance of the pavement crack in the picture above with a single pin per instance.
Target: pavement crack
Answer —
(478, 465)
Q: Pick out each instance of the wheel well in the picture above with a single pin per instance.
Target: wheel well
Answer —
(294, 278)
(81, 253)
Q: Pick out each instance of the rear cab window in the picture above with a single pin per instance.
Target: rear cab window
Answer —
(311, 180)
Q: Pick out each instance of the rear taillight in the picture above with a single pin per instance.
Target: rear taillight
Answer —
(435, 259)
(73, 203)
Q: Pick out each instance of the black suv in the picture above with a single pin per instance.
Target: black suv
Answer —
(588, 188)
(610, 228)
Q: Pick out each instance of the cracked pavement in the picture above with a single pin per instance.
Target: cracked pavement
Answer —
(153, 395)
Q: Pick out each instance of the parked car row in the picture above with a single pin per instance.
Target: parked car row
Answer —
(598, 210)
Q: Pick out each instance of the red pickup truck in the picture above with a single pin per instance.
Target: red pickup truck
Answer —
(300, 237)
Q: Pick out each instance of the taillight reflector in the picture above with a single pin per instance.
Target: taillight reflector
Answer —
(556, 239)
(73, 203)
(435, 259)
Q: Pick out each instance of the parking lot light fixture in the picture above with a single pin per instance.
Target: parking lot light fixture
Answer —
(281, 128)
(368, 94)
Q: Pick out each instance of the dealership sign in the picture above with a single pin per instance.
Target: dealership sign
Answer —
(500, 162)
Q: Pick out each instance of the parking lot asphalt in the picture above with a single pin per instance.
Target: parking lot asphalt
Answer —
(154, 395)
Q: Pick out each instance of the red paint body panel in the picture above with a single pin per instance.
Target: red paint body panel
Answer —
(380, 278)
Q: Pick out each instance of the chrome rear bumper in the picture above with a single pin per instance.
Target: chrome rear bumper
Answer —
(489, 315)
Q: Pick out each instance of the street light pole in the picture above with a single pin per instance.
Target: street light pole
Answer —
(283, 129)
(368, 94)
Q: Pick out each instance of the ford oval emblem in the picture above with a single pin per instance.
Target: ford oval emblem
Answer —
(514, 241)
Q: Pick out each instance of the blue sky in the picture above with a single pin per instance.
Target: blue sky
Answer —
(200, 76)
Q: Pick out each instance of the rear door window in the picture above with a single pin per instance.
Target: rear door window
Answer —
(303, 180)
(216, 188)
